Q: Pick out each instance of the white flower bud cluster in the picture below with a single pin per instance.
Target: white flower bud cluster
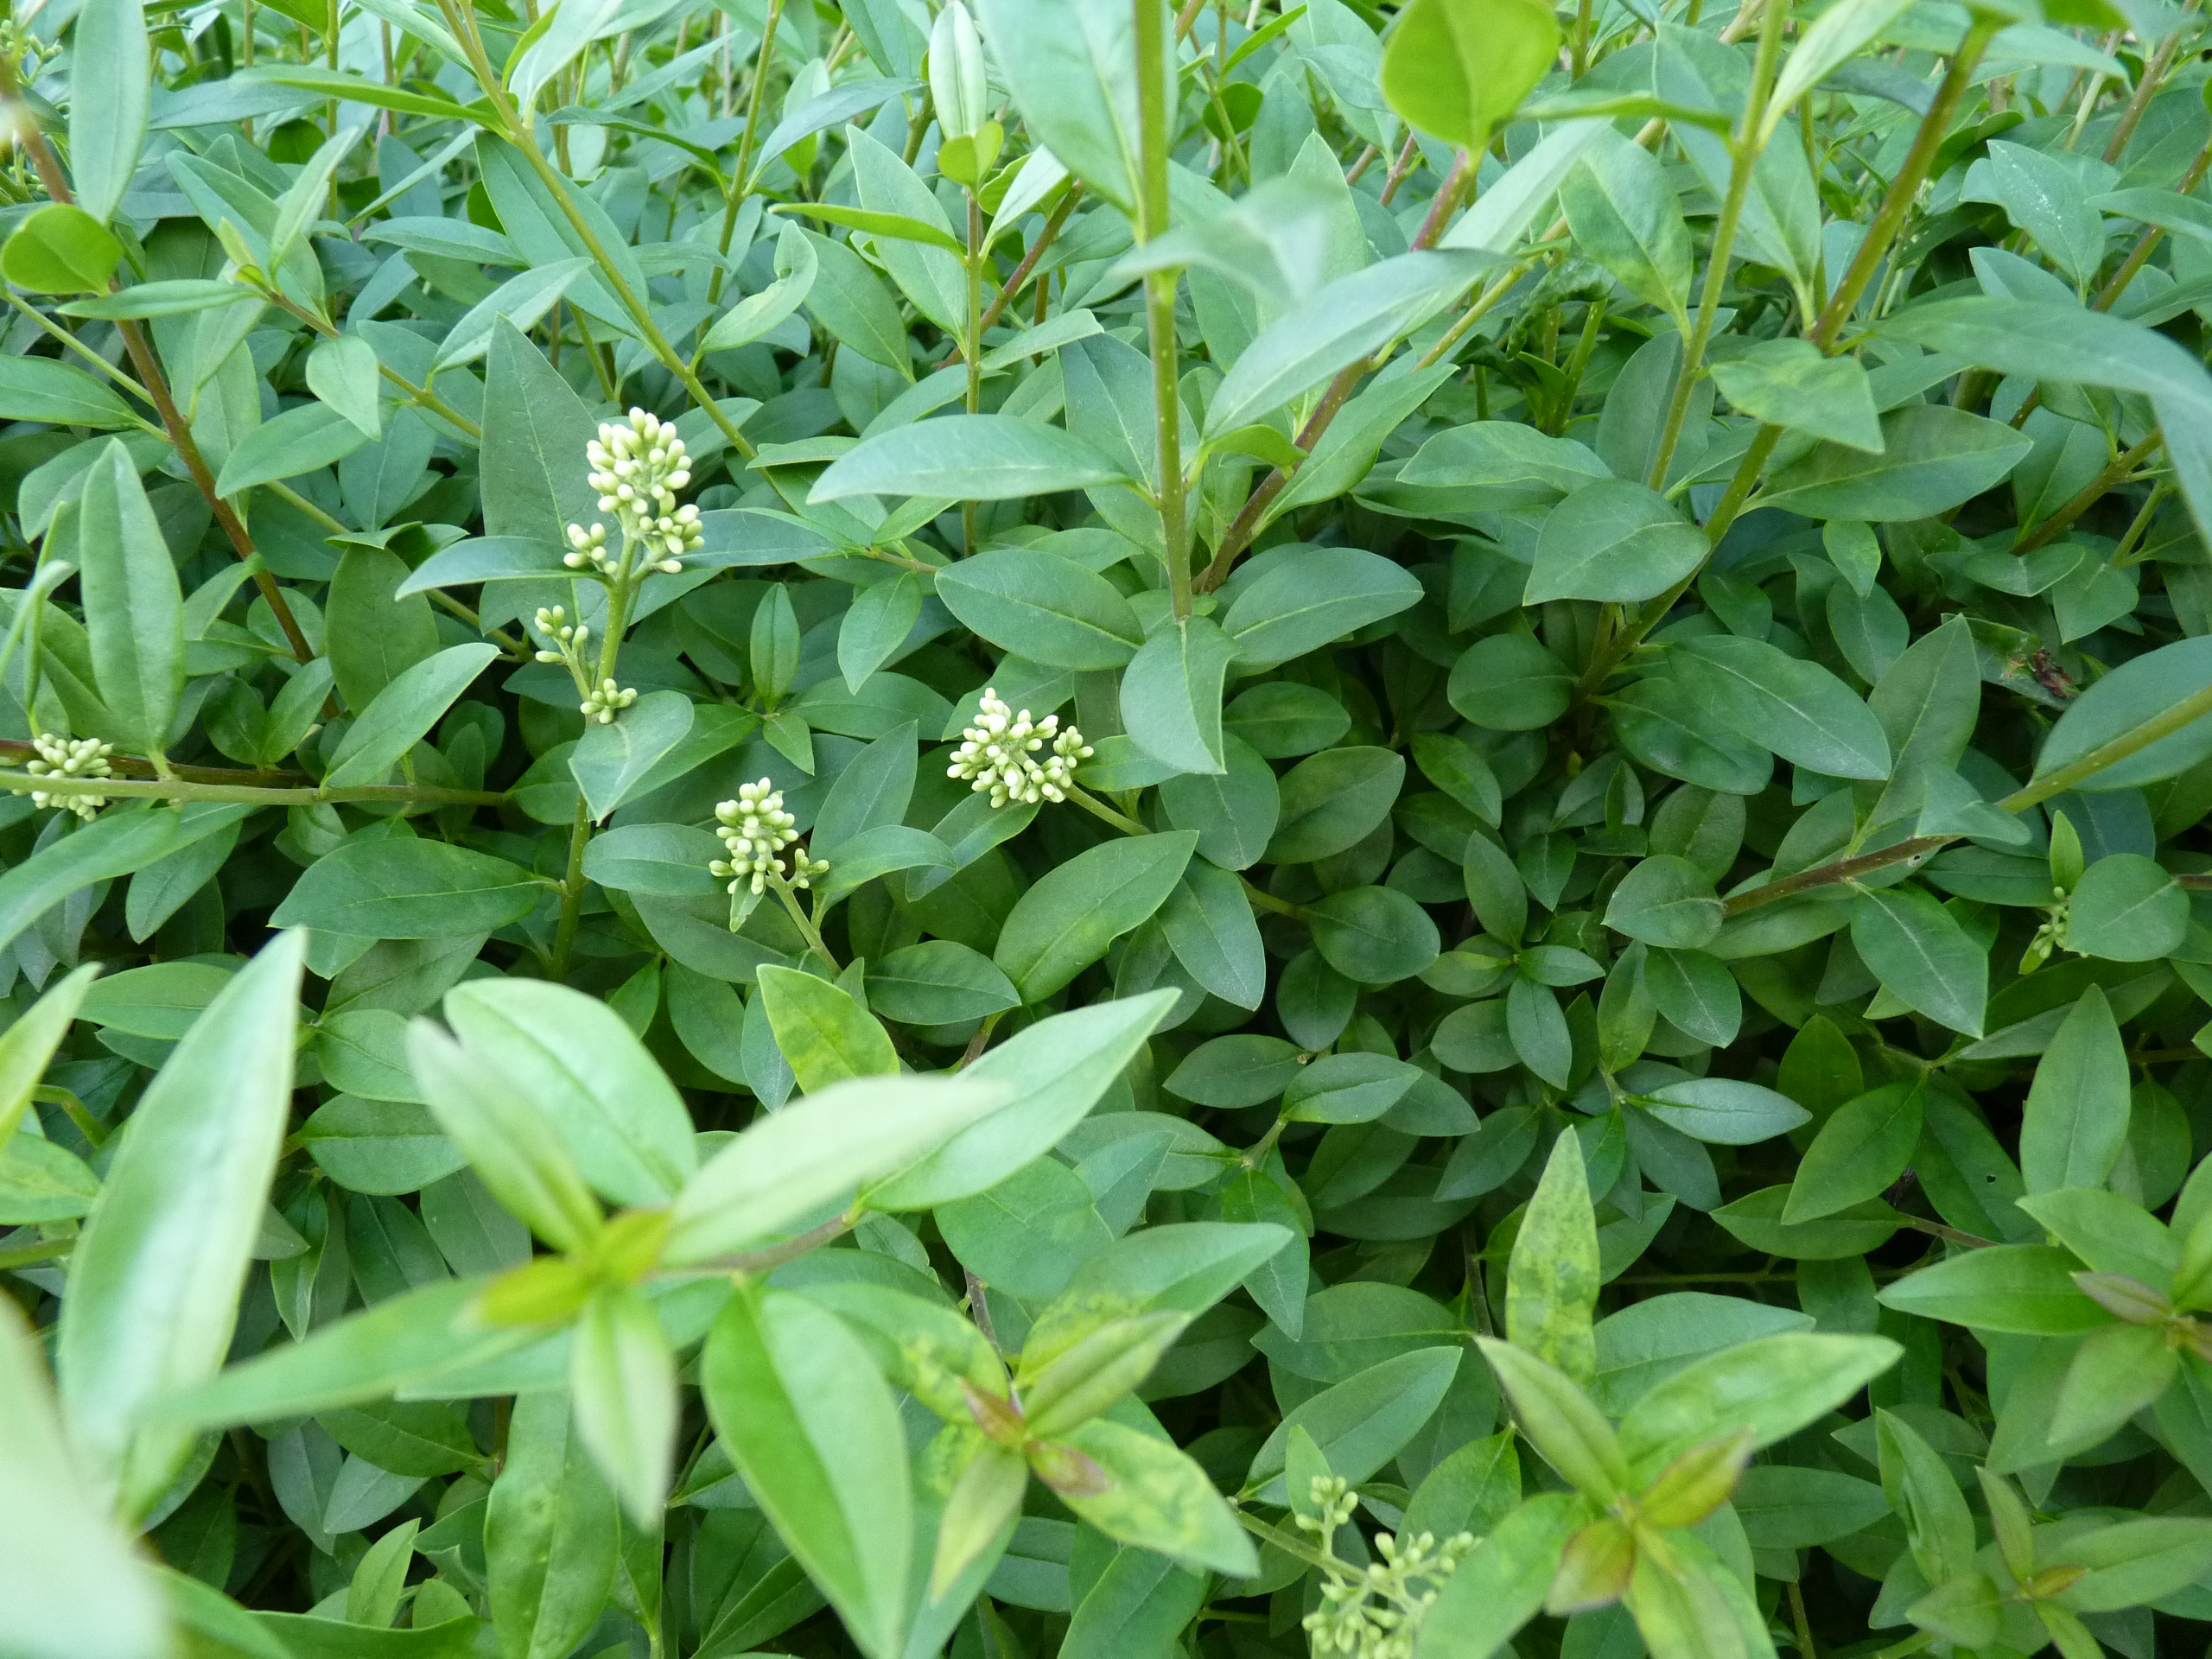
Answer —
(63, 757)
(605, 700)
(997, 754)
(756, 829)
(638, 466)
(553, 623)
(1373, 1612)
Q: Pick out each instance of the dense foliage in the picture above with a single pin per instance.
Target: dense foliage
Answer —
(1054, 827)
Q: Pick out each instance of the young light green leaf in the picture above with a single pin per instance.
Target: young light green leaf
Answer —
(157, 1273)
(74, 1587)
(817, 1150)
(1551, 1281)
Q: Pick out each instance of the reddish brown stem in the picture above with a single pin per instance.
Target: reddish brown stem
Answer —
(1013, 285)
(1246, 524)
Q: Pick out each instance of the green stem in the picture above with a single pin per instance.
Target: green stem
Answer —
(972, 348)
(30, 1256)
(178, 789)
(572, 889)
(806, 923)
(1098, 809)
(771, 1257)
(1903, 191)
(1749, 143)
(519, 133)
(1154, 85)
(740, 183)
(2116, 473)
(1289, 1544)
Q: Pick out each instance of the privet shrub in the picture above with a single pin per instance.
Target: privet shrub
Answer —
(1054, 828)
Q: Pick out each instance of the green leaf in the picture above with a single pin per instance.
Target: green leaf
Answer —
(825, 1035)
(1345, 321)
(1458, 68)
(2127, 908)
(622, 1378)
(40, 389)
(1933, 458)
(374, 635)
(73, 1582)
(1789, 383)
(1208, 923)
(1072, 71)
(111, 68)
(1613, 540)
(898, 227)
(2136, 691)
(757, 313)
(157, 1273)
(377, 1146)
(1665, 901)
(1509, 683)
(1361, 1423)
(1501, 1585)
(342, 371)
(1063, 923)
(611, 763)
(1796, 709)
(1171, 696)
(1373, 936)
(1159, 1499)
(787, 1167)
(1347, 1088)
(2130, 1562)
(1861, 1149)
(551, 1534)
(1566, 1429)
(1725, 1111)
(27, 1045)
(512, 1144)
(300, 440)
(810, 1425)
(2028, 1289)
(404, 711)
(1049, 609)
(1769, 1387)
(1332, 801)
(1295, 600)
(404, 1340)
(1835, 36)
(61, 249)
(2075, 1119)
(966, 457)
(408, 888)
(134, 609)
(519, 302)
(1552, 1278)
(1922, 955)
(938, 983)
(1625, 214)
(1054, 1071)
(668, 860)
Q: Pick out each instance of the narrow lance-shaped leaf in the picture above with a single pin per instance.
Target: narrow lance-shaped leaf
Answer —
(157, 1275)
